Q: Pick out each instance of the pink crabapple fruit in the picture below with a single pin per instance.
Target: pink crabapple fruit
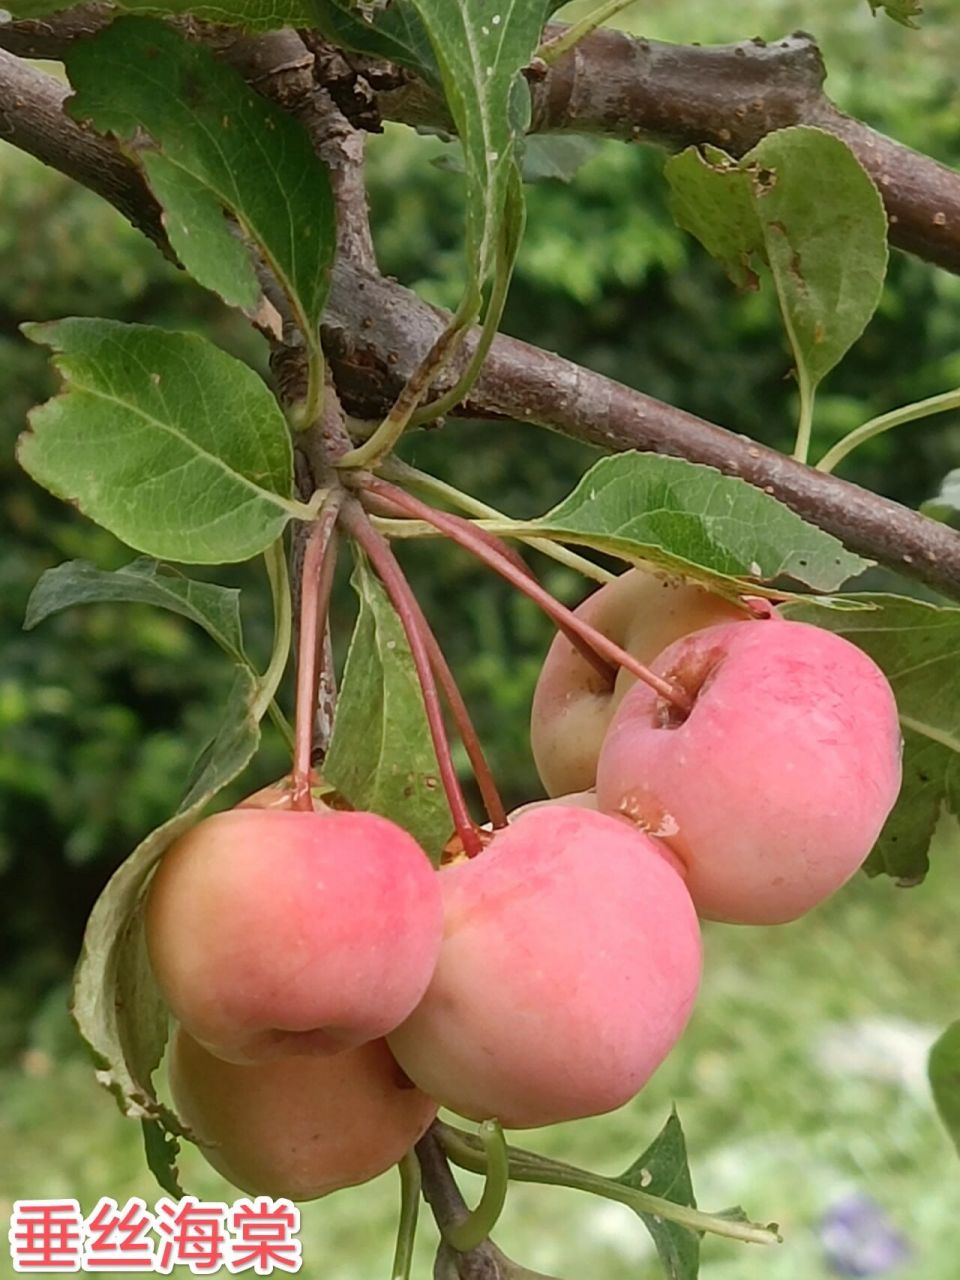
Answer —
(569, 965)
(299, 1126)
(773, 789)
(273, 932)
(643, 612)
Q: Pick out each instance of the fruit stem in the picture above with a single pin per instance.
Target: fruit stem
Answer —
(319, 562)
(410, 1183)
(498, 547)
(463, 532)
(474, 1229)
(486, 785)
(402, 473)
(525, 1166)
(376, 547)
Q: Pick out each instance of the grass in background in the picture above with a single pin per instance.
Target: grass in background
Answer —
(799, 1082)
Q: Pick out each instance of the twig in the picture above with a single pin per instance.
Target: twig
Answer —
(606, 670)
(401, 473)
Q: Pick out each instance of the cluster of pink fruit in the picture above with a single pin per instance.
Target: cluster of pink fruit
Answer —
(332, 989)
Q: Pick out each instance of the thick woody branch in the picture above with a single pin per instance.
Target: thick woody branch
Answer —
(620, 86)
(376, 333)
(32, 118)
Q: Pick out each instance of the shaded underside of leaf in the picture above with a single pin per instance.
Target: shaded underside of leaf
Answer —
(115, 1004)
(143, 581)
(214, 145)
(395, 33)
(943, 1068)
(254, 15)
(381, 756)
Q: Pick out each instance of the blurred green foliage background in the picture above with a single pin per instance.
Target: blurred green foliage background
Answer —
(103, 710)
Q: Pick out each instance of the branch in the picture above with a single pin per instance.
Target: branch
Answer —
(376, 332)
(32, 118)
(280, 66)
(621, 86)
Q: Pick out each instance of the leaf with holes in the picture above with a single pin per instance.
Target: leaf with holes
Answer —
(214, 145)
(692, 520)
(801, 202)
(663, 1171)
(177, 448)
(381, 756)
(916, 645)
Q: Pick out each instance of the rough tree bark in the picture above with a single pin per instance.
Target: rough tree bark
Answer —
(376, 332)
(620, 86)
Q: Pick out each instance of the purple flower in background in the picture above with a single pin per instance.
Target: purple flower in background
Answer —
(860, 1240)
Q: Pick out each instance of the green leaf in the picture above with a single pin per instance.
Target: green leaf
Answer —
(801, 202)
(692, 520)
(557, 157)
(394, 32)
(161, 1150)
(174, 446)
(381, 756)
(143, 581)
(711, 196)
(116, 1005)
(546, 157)
(214, 145)
(481, 47)
(945, 507)
(916, 645)
(254, 15)
(943, 1068)
(902, 11)
(663, 1170)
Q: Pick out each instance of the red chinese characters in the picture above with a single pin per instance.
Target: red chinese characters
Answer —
(200, 1237)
